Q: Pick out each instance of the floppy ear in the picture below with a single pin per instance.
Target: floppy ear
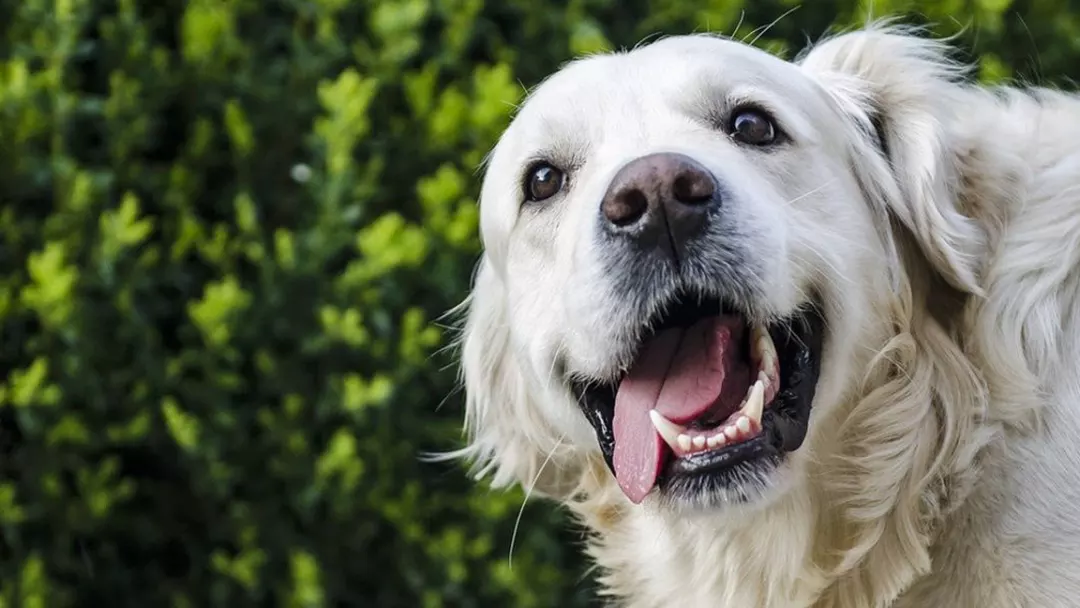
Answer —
(897, 88)
(508, 436)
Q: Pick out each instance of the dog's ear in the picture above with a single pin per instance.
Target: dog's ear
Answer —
(895, 88)
(509, 439)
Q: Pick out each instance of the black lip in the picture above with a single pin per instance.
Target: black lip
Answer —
(723, 459)
(799, 341)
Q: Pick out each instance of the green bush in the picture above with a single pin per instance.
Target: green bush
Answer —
(228, 231)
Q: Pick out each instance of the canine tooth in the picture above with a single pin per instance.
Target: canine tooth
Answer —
(756, 339)
(684, 443)
(670, 431)
(755, 403)
(743, 424)
(699, 441)
(768, 351)
(763, 378)
(732, 432)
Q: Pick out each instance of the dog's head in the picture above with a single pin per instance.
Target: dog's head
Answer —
(692, 250)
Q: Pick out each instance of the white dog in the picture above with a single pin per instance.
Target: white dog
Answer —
(789, 333)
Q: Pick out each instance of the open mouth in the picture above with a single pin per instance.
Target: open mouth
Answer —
(711, 398)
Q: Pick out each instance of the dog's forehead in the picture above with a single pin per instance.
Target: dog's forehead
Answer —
(666, 70)
(664, 86)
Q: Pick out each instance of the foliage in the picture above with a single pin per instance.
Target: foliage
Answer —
(228, 230)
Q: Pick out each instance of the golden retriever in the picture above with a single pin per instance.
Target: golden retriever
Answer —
(788, 334)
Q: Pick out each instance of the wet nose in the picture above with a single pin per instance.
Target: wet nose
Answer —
(660, 192)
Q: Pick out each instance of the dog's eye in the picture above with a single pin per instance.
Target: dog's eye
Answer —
(543, 182)
(753, 127)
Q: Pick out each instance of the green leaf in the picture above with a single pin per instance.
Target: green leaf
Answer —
(183, 427)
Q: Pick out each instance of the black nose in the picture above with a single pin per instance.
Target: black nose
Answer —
(660, 193)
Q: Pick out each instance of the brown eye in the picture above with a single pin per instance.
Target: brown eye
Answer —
(753, 127)
(543, 182)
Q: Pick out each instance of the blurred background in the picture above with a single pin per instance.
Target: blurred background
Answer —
(228, 231)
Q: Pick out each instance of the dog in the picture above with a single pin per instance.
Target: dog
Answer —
(788, 333)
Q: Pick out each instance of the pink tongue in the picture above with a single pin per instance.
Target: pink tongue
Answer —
(680, 373)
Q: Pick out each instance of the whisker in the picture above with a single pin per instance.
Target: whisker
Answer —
(734, 32)
(810, 193)
(528, 493)
(761, 31)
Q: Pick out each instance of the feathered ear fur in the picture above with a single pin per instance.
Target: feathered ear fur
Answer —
(909, 438)
(508, 438)
(897, 88)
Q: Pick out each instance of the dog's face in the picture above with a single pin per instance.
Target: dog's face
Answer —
(682, 256)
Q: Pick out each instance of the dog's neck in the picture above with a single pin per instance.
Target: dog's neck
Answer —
(660, 557)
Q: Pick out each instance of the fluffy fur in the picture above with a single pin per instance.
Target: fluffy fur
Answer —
(940, 221)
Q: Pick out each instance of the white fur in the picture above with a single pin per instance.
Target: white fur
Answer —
(942, 467)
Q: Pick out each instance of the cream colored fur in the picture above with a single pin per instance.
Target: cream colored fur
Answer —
(942, 466)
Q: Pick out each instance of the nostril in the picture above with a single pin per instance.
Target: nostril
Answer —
(693, 187)
(626, 206)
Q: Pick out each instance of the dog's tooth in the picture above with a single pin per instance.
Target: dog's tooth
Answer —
(768, 356)
(768, 352)
(717, 440)
(755, 403)
(731, 431)
(699, 441)
(756, 339)
(684, 443)
(743, 424)
(763, 378)
(670, 431)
